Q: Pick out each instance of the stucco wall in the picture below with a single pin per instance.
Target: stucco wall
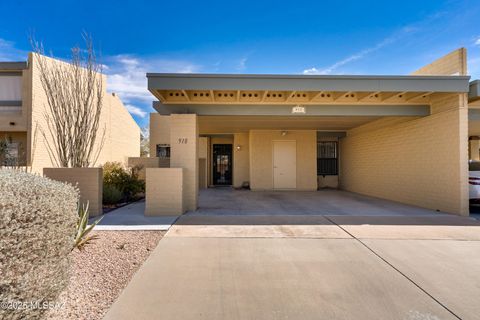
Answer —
(261, 160)
(147, 162)
(89, 182)
(241, 159)
(164, 191)
(420, 162)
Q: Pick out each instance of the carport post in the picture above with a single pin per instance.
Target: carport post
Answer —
(184, 154)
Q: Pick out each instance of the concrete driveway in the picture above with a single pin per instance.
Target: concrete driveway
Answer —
(306, 266)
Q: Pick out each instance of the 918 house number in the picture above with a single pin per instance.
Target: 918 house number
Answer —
(182, 140)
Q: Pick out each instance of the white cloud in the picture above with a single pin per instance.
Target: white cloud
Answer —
(126, 74)
(242, 64)
(136, 110)
(477, 42)
(357, 56)
(8, 52)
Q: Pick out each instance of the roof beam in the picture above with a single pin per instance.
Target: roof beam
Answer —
(286, 110)
(185, 94)
(415, 96)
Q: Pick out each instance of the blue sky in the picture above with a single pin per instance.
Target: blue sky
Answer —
(311, 37)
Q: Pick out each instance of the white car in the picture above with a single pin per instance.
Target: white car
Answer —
(474, 182)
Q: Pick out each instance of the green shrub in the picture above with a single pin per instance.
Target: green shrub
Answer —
(37, 228)
(125, 180)
(111, 195)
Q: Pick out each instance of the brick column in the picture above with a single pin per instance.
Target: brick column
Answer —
(184, 154)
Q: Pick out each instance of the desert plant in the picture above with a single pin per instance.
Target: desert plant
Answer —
(125, 180)
(74, 93)
(111, 195)
(83, 229)
(37, 225)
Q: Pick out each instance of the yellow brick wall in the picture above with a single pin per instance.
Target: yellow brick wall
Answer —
(122, 134)
(261, 162)
(420, 162)
(159, 131)
(454, 63)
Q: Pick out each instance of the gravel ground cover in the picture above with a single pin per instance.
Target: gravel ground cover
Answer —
(101, 270)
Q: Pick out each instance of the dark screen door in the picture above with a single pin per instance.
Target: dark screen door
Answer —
(222, 164)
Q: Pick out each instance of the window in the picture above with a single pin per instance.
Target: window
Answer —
(327, 158)
(9, 153)
(163, 150)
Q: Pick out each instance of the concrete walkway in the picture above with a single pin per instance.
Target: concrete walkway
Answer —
(304, 266)
(131, 217)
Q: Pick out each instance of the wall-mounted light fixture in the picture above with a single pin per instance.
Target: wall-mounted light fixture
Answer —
(238, 147)
(284, 133)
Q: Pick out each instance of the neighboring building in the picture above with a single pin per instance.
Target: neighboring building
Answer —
(402, 138)
(474, 120)
(23, 105)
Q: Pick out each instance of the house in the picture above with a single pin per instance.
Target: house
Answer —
(24, 106)
(401, 138)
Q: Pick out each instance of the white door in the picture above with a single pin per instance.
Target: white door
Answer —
(284, 165)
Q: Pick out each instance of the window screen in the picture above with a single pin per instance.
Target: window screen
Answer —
(327, 158)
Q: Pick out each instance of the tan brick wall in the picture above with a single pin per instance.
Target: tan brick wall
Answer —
(241, 159)
(261, 149)
(421, 162)
(89, 182)
(164, 191)
(454, 63)
(159, 131)
(122, 134)
(184, 154)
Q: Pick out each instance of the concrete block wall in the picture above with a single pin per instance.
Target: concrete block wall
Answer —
(164, 191)
(420, 162)
(184, 154)
(88, 180)
(159, 131)
(122, 134)
(454, 63)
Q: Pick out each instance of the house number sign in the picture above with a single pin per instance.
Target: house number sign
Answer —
(182, 140)
(298, 109)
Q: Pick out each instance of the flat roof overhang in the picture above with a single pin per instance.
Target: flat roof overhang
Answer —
(13, 66)
(179, 81)
(300, 89)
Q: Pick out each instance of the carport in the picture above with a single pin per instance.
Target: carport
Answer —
(399, 138)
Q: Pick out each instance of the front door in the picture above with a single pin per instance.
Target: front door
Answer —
(284, 165)
(222, 164)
